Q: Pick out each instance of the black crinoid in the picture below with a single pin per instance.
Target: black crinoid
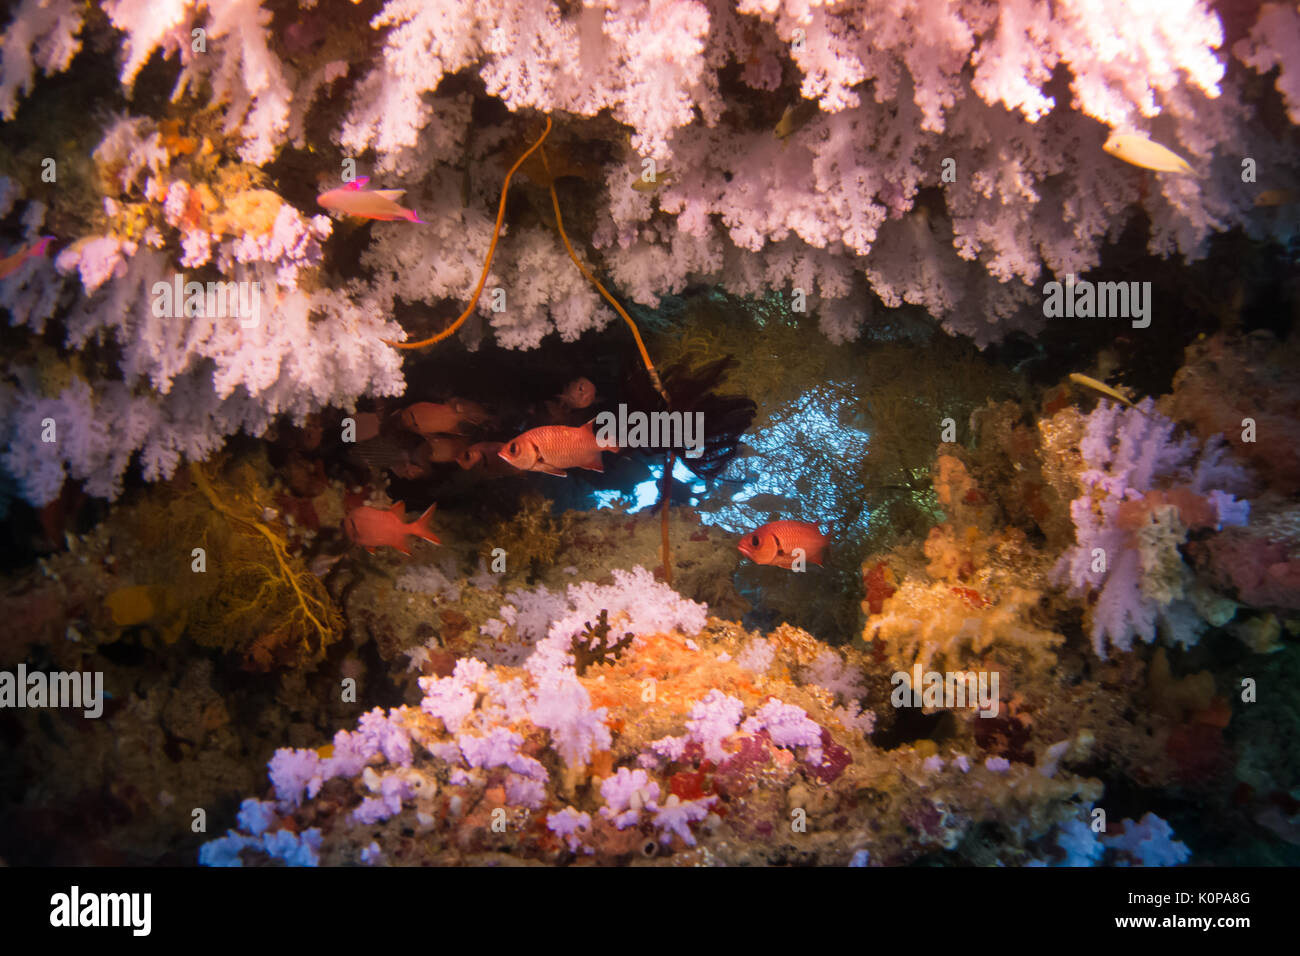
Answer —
(692, 390)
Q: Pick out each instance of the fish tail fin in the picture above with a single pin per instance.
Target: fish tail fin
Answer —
(42, 245)
(413, 216)
(422, 527)
(590, 426)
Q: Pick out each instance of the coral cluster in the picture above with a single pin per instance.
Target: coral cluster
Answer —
(1144, 490)
(685, 745)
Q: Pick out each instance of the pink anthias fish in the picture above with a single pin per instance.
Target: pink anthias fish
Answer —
(9, 265)
(353, 199)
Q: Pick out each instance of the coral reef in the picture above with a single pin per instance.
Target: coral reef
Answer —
(989, 309)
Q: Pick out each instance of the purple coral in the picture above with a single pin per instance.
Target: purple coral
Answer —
(290, 771)
(294, 849)
(1130, 452)
(712, 720)
(500, 747)
(626, 794)
(385, 734)
(562, 705)
(392, 788)
(451, 699)
(675, 817)
(1148, 842)
(525, 791)
(788, 725)
(256, 816)
(570, 825)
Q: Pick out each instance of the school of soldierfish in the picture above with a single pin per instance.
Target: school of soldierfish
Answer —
(440, 429)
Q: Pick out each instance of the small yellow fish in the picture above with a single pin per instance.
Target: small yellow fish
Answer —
(795, 118)
(641, 186)
(1089, 382)
(1136, 149)
(1276, 197)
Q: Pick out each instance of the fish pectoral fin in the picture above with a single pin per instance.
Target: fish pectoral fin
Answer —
(392, 195)
(550, 470)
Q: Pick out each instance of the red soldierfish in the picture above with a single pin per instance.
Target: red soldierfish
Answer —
(578, 394)
(431, 418)
(553, 448)
(376, 528)
(775, 542)
(468, 411)
(366, 426)
(476, 454)
(444, 448)
(9, 265)
(486, 456)
(352, 199)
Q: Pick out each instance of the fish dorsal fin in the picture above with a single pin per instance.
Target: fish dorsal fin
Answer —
(398, 509)
(358, 183)
(392, 195)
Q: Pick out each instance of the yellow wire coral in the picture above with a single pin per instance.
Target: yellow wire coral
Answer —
(284, 606)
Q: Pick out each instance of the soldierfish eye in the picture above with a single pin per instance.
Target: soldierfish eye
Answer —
(753, 540)
(514, 448)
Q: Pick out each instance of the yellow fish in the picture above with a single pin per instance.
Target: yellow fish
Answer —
(1088, 381)
(1136, 149)
(1276, 197)
(641, 186)
(795, 118)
